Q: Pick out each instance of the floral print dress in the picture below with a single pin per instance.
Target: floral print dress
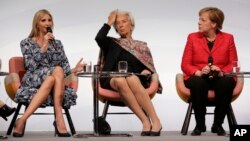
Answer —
(40, 65)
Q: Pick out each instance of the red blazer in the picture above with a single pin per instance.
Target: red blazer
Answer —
(196, 53)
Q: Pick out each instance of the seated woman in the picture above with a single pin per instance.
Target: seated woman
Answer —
(209, 54)
(47, 66)
(138, 56)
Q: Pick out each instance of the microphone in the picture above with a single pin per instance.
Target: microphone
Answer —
(49, 30)
(53, 42)
(212, 73)
(210, 63)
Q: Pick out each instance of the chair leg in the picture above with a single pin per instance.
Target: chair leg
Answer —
(70, 122)
(231, 117)
(12, 123)
(187, 120)
(105, 110)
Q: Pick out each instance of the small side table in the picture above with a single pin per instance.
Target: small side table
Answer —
(245, 74)
(96, 75)
(3, 137)
(3, 73)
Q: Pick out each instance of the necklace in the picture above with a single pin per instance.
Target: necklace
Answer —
(210, 41)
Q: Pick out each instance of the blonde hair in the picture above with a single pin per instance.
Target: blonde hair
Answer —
(130, 17)
(37, 17)
(215, 15)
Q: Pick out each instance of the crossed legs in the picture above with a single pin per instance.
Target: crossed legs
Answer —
(53, 82)
(58, 92)
(137, 99)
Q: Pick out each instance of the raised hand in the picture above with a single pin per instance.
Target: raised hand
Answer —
(112, 17)
(79, 66)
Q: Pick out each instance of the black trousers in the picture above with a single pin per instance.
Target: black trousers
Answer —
(199, 86)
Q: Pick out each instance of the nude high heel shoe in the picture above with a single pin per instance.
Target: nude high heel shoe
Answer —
(15, 134)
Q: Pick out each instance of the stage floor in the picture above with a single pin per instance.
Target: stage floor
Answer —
(165, 136)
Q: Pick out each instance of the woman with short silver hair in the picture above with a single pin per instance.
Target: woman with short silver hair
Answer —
(137, 54)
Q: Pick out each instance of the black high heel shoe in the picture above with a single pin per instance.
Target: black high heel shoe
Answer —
(153, 133)
(18, 135)
(15, 134)
(58, 133)
(6, 111)
(145, 133)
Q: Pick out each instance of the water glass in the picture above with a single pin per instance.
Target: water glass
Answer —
(122, 66)
(87, 66)
(96, 68)
(235, 66)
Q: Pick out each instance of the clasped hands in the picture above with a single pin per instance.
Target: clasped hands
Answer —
(206, 70)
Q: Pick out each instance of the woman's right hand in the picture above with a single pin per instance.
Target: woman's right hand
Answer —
(48, 36)
(205, 70)
(112, 17)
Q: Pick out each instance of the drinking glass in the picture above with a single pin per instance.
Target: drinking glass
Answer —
(87, 66)
(122, 66)
(235, 66)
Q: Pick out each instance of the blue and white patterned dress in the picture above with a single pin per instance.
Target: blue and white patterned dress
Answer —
(39, 65)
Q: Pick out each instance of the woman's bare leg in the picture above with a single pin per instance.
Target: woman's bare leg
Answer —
(120, 84)
(1, 103)
(144, 101)
(58, 98)
(38, 99)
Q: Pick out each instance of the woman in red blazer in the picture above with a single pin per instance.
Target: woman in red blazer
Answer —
(208, 54)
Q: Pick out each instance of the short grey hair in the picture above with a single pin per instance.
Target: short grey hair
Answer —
(130, 17)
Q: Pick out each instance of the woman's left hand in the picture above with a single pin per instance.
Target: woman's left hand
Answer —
(215, 68)
(79, 66)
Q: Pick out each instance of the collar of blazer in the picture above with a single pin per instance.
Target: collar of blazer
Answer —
(217, 42)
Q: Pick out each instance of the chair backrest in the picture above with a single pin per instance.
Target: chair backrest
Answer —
(13, 80)
(184, 92)
(16, 65)
(71, 81)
